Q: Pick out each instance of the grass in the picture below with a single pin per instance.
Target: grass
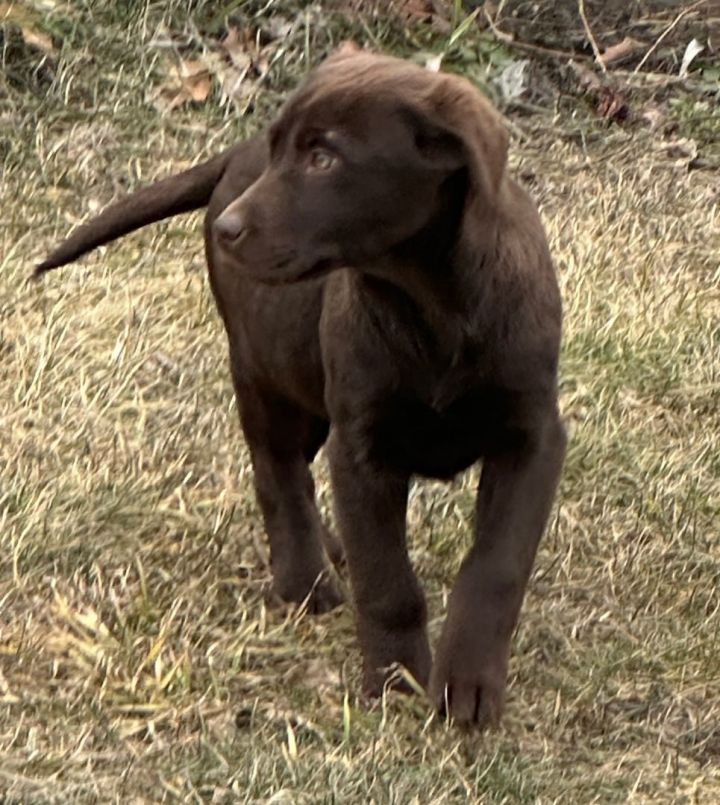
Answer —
(138, 660)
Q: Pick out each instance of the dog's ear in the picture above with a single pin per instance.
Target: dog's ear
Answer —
(468, 130)
(438, 147)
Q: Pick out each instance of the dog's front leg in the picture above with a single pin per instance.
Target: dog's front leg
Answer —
(514, 500)
(371, 505)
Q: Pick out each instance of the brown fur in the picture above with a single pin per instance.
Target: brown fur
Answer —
(386, 288)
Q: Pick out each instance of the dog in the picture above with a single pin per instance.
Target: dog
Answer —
(387, 291)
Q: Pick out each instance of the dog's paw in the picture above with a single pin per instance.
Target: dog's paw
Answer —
(317, 596)
(324, 597)
(469, 690)
(333, 548)
(382, 655)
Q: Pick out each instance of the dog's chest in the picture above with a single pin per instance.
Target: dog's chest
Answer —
(415, 436)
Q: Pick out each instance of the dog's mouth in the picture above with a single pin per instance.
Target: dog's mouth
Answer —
(288, 271)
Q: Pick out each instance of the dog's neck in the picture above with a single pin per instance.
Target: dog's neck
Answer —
(442, 268)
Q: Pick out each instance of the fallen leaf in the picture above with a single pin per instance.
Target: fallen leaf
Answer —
(513, 80)
(188, 81)
(235, 47)
(346, 48)
(18, 13)
(26, 20)
(419, 9)
(691, 51)
(239, 63)
(277, 27)
(37, 39)
(682, 150)
(489, 8)
(433, 12)
(321, 676)
(612, 105)
(195, 79)
(235, 84)
(620, 51)
(433, 62)
(200, 88)
(653, 115)
(587, 79)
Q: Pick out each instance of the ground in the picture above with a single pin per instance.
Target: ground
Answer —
(139, 661)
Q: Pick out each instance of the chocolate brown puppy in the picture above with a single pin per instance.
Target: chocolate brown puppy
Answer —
(387, 290)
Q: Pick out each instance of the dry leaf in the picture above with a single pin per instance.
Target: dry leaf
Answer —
(489, 8)
(347, 47)
(198, 82)
(432, 12)
(235, 47)
(241, 61)
(653, 115)
(612, 105)
(234, 83)
(319, 675)
(682, 150)
(621, 51)
(37, 39)
(25, 19)
(691, 51)
(243, 52)
(18, 13)
(188, 81)
(433, 62)
(200, 89)
(587, 79)
(421, 10)
(513, 80)
(277, 27)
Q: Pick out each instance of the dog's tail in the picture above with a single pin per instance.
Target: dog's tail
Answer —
(177, 194)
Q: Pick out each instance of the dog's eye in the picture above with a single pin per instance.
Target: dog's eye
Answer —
(321, 159)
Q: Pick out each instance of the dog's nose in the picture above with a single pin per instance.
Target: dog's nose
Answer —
(230, 225)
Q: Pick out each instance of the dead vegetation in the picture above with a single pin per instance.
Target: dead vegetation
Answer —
(138, 661)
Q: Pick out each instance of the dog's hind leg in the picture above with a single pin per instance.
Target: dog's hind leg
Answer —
(282, 440)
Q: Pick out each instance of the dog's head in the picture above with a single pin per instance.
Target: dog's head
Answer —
(363, 158)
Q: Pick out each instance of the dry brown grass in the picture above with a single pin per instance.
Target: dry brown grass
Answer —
(138, 662)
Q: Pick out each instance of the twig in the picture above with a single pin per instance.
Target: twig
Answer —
(515, 129)
(589, 34)
(662, 36)
(508, 39)
(658, 81)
